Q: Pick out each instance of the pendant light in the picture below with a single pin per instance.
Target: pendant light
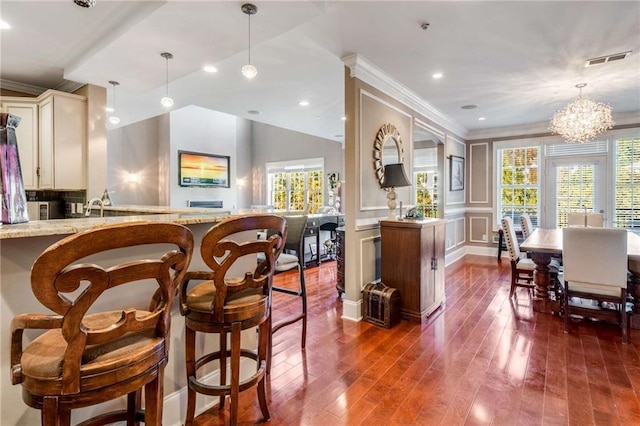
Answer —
(167, 101)
(114, 119)
(249, 71)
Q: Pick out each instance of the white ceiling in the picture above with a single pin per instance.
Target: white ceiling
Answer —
(518, 61)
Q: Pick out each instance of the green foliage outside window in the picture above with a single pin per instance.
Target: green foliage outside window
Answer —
(426, 195)
(627, 184)
(297, 190)
(519, 190)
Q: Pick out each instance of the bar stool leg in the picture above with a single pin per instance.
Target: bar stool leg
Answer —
(223, 365)
(263, 354)
(153, 400)
(190, 361)
(236, 329)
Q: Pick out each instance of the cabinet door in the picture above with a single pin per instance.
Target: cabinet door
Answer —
(438, 254)
(46, 144)
(27, 137)
(68, 143)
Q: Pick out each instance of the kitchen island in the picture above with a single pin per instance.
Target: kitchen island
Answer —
(21, 244)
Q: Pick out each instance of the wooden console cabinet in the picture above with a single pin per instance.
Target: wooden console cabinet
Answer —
(412, 260)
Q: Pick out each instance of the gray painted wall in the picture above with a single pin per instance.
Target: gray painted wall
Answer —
(272, 144)
(150, 148)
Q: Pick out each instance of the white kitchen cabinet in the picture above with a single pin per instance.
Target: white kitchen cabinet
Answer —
(27, 137)
(52, 145)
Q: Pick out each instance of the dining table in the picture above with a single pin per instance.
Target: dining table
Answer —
(544, 244)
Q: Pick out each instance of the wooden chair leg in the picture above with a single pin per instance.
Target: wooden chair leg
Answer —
(153, 400)
(566, 307)
(235, 372)
(223, 365)
(190, 362)
(269, 345)
(51, 415)
(303, 294)
(132, 407)
(263, 349)
(624, 317)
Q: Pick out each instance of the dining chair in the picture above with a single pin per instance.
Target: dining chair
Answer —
(595, 268)
(594, 220)
(228, 298)
(90, 355)
(526, 225)
(576, 219)
(521, 266)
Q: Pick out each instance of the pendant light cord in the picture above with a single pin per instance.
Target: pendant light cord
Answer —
(249, 38)
(167, 75)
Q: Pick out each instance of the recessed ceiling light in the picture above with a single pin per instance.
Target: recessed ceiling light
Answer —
(303, 103)
(4, 25)
(437, 75)
(482, 118)
(471, 106)
(344, 118)
(108, 109)
(253, 112)
(210, 68)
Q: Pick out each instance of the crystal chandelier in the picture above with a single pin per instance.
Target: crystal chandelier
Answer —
(582, 120)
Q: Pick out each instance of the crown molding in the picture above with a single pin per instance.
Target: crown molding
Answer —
(69, 86)
(15, 86)
(542, 129)
(21, 87)
(365, 71)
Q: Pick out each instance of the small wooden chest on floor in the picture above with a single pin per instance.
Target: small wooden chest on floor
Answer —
(381, 304)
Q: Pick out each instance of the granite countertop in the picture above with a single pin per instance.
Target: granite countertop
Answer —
(162, 210)
(38, 228)
(183, 216)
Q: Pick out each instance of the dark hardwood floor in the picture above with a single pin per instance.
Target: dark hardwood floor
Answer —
(484, 359)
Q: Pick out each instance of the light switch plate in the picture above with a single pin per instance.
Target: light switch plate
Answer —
(79, 208)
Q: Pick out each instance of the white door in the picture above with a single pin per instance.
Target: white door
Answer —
(574, 185)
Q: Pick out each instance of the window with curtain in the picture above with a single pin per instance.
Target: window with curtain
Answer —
(296, 185)
(627, 184)
(518, 182)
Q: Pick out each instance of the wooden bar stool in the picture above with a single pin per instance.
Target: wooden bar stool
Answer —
(222, 303)
(85, 358)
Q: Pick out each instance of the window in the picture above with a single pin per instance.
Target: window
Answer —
(518, 183)
(425, 178)
(575, 190)
(296, 185)
(627, 184)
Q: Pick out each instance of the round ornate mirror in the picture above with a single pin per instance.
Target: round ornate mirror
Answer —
(387, 149)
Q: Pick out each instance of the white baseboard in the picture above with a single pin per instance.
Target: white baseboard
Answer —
(352, 311)
(175, 404)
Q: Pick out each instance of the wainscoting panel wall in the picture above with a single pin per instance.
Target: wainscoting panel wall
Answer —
(479, 173)
(479, 231)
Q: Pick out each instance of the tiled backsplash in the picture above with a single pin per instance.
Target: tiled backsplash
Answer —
(68, 197)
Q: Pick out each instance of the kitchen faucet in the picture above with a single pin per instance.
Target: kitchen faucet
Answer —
(90, 204)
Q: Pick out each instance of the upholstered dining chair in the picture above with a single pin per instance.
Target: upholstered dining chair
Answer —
(594, 220)
(233, 295)
(526, 225)
(595, 268)
(521, 266)
(87, 355)
(576, 219)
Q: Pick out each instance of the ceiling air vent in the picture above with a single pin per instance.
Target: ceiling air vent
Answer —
(605, 59)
